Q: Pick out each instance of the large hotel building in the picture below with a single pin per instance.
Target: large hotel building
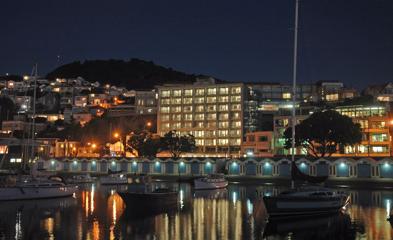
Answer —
(212, 112)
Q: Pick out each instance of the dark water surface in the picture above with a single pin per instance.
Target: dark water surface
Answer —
(97, 212)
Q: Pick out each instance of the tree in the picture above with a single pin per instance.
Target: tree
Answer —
(7, 109)
(324, 132)
(144, 144)
(176, 144)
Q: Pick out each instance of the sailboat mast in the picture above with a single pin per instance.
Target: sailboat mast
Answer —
(33, 116)
(294, 78)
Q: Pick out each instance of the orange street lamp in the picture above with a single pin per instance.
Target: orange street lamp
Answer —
(116, 135)
(148, 124)
(93, 145)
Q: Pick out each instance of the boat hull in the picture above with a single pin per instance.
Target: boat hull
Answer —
(149, 202)
(25, 193)
(113, 181)
(302, 206)
(199, 184)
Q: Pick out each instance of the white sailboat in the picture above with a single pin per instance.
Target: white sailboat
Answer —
(114, 178)
(306, 200)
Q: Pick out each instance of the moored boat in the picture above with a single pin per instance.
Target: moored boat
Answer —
(161, 199)
(304, 202)
(114, 179)
(80, 179)
(36, 189)
(213, 181)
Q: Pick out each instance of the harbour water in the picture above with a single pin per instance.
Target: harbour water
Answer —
(97, 212)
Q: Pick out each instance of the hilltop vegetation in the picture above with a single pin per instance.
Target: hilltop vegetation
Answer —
(132, 74)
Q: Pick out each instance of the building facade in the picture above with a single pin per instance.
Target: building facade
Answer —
(212, 112)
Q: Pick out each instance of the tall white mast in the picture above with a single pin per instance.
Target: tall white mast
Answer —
(33, 116)
(294, 78)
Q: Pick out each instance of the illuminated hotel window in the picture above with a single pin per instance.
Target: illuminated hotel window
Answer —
(382, 137)
(235, 115)
(223, 99)
(164, 117)
(176, 100)
(199, 124)
(176, 93)
(176, 117)
(199, 108)
(379, 149)
(188, 92)
(199, 116)
(223, 124)
(224, 90)
(235, 132)
(211, 99)
(165, 109)
(176, 125)
(235, 107)
(165, 126)
(199, 142)
(235, 141)
(211, 108)
(210, 133)
(211, 91)
(332, 97)
(223, 133)
(223, 107)
(236, 124)
(286, 95)
(199, 100)
(199, 133)
(223, 141)
(176, 109)
(223, 116)
(187, 124)
(210, 142)
(187, 109)
(235, 90)
(187, 100)
(211, 116)
(165, 93)
(211, 124)
(200, 92)
(235, 98)
(188, 117)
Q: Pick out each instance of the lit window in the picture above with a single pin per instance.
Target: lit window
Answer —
(211, 108)
(223, 116)
(199, 124)
(176, 100)
(223, 133)
(188, 92)
(211, 116)
(211, 99)
(187, 100)
(223, 99)
(235, 98)
(332, 97)
(235, 107)
(223, 141)
(199, 116)
(176, 125)
(199, 108)
(224, 90)
(223, 124)
(200, 92)
(199, 100)
(165, 93)
(187, 109)
(188, 117)
(235, 90)
(286, 95)
(223, 107)
(176, 93)
(211, 91)
(165, 109)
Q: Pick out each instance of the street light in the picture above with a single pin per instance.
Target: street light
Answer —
(148, 124)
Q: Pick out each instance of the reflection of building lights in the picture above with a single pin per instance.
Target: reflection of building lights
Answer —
(388, 207)
(181, 193)
(250, 207)
(112, 191)
(92, 199)
(234, 197)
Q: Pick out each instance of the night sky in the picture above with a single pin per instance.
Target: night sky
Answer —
(347, 40)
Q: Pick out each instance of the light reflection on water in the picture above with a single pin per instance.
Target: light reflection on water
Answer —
(98, 212)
